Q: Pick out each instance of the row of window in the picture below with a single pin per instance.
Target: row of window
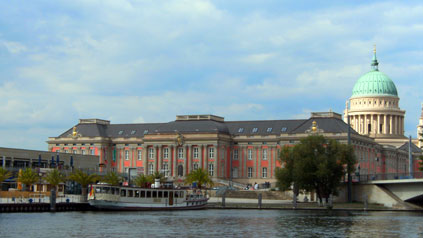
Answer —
(151, 153)
(165, 169)
(255, 129)
(83, 152)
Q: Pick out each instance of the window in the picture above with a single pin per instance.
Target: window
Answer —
(250, 154)
(211, 152)
(269, 129)
(195, 152)
(250, 172)
(195, 166)
(211, 169)
(92, 152)
(180, 153)
(145, 132)
(264, 154)
(240, 130)
(151, 153)
(165, 169)
(166, 153)
(264, 172)
(83, 152)
(254, 130)
(126, 154)
(150, 169)
(140, 155)
(235, 154)
(66, 151)
(74, 151)
(120, 132)
(133, 132)
(283, 129)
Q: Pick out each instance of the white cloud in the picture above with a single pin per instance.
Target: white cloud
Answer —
(14, 47)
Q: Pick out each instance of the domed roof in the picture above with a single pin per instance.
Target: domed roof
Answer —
(374, 83)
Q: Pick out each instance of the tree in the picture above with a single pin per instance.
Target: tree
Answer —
(157, 175)
(83, 179)
(28, 177)
(4, 174)
(142, 181)
(199, 176)
(421, 163)
(316, 163)
(54, 178)
(112, 178)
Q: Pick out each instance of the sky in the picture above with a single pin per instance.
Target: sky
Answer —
(131, 61)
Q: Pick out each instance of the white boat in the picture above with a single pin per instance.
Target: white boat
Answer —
(107, 197)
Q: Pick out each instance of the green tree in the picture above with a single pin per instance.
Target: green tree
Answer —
(4, 174)
(199, 176)
(157, 175)
(54, 178)
(83, 179)
(421, 163)
(141, 180)
(112, 178)
(28, 177)
(315, 164)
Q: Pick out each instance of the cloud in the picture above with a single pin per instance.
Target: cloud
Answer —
(147, 61)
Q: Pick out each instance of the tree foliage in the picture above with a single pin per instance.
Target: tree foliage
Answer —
(199, 176)
(4, 174)
(84, 179)
(315, 164)
(157, 175)
(112, 178)
(28, 177)
(54, 177)
(142, 181)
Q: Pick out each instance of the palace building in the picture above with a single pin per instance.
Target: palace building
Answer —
(248, 151)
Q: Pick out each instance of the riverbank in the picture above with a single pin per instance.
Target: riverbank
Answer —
(238, 203)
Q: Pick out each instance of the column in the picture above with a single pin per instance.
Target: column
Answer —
(201, 156)
(372, 123)
(174, 163)
(385, 122)
(159, 158)
(356, 123)
(378, 125)
(366, 127)
(144, 158)
(390, 124)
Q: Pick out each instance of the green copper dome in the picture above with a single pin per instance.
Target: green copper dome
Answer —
(374, 83)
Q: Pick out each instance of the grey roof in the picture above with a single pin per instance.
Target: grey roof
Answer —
(269, 127)
(414, 148)
(327, 124)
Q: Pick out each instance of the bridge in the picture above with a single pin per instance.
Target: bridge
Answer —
(399, 190)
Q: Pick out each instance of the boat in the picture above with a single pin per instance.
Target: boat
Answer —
(108, 197)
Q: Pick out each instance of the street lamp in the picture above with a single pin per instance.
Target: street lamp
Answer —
(41, 186)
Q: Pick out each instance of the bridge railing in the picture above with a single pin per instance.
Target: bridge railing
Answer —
(388, 176)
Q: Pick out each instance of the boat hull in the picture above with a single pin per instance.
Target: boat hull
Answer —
(119, 206)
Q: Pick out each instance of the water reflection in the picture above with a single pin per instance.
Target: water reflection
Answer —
(212, 223)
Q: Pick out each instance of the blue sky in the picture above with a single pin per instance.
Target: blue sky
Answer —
(148, 61)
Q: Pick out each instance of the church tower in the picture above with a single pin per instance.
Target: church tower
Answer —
(374, 109)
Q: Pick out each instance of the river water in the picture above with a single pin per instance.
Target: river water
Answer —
(213, 223)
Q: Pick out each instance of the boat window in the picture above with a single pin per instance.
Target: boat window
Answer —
(130, 193)
(112, 190)
(137, 193)
(149, 194)
(165, 194)
(142, 193)
(123, 193)
(117, 191)
(176, 194)
(154, 194)
(182, 194)
(97, 190)
(160, 194)
(106, 190)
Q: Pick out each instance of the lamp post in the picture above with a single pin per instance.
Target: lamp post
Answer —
(41, 186)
